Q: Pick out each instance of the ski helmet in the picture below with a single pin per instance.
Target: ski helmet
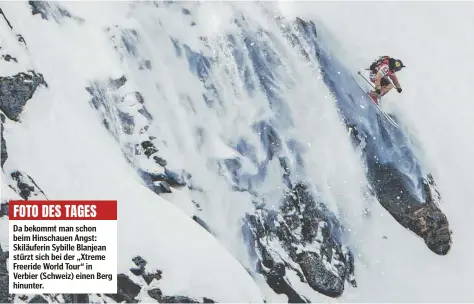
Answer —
(397, 65)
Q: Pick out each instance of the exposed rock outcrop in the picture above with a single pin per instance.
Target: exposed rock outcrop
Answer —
(51, 10)
(16, 90)
(25, 186)
(299, 237)
(4, 154)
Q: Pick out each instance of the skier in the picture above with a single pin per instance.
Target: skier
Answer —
(380, 70)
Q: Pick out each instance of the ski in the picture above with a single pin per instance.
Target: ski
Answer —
(390, 119)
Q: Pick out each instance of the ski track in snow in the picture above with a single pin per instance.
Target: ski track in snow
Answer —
(71, 155)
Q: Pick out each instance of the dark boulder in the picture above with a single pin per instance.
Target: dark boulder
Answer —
(16, 90)
(308, 234)
(25, 186)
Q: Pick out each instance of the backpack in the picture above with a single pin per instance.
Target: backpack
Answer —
(381, 59)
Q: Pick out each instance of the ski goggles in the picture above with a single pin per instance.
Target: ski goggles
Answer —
(398, 65)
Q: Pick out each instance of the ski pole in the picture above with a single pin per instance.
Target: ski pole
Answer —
(365, 79)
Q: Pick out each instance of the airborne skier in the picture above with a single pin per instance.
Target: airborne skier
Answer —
(380, 70)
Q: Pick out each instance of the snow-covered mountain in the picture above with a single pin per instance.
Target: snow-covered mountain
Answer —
(247, 162)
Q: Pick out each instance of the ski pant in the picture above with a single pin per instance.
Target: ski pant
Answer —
(383, 82)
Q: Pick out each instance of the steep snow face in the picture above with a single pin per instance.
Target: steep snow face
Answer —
(205, 112)
(393, 170)
(213, 120)
(63, 145)
(436, 109)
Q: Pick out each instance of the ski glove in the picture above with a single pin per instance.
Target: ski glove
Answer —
(377, 90)
(399, 90)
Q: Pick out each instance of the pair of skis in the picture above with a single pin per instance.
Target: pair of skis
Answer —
(390, 119)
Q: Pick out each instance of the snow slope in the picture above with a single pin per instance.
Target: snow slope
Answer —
(436, 107)
(70, 155)
(214, 88)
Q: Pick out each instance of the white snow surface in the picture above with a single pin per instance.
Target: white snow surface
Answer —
(433, 39)
(71, 156)
(62, 144)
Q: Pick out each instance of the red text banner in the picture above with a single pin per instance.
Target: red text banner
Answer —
(63, 210)
(62, 247)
